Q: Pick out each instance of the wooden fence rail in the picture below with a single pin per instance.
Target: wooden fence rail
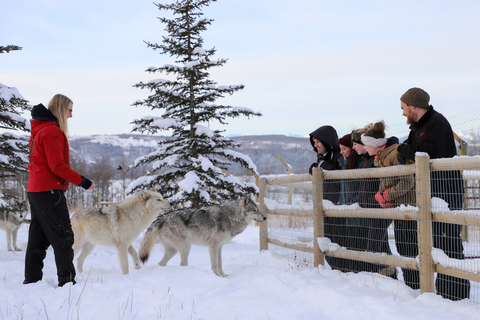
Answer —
(422, 214)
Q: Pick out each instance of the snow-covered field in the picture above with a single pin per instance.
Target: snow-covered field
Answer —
(261, 285)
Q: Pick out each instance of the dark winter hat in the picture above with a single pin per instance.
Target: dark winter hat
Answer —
(356, 137)
(346, 141)
(416, 97)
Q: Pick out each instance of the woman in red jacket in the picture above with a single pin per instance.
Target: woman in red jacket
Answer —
(49, 178)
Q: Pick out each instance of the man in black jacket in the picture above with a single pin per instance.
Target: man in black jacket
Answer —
(431, 132)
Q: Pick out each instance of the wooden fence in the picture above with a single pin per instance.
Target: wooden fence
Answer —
(424, 216)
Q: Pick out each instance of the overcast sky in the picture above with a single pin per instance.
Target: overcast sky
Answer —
(304, 63)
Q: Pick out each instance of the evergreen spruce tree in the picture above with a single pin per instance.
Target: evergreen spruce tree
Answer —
(13, 147)
(190, 167)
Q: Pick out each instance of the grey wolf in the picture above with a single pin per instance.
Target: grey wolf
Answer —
(11, 221)
(210, 226)
(116, 226)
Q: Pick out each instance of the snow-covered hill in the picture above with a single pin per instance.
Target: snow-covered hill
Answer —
(295, 151)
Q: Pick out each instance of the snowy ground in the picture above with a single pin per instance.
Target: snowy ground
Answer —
(261, 285)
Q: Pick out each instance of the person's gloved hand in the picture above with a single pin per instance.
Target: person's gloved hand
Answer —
(399, 155)
(398, 149)
(313, 165)
(383, 200)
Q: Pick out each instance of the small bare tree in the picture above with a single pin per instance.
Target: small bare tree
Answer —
(102, 173)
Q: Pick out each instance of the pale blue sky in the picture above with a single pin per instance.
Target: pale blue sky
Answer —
(304, 63)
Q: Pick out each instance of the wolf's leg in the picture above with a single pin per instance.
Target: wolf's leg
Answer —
(122, 250)
(216, 259)
(220, 268)
(86, 250)
(168, 253)
(134, 254)
(77, 242)
(14, 240)
(184, 253)
(9, 239)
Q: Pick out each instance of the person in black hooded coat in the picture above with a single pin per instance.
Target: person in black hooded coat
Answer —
(324, 141)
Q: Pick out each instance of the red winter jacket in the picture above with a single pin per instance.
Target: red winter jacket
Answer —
(49, 165)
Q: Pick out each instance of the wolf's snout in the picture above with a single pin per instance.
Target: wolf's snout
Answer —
(261, 219)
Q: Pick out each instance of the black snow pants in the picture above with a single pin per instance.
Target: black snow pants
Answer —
(406, 241)
(448, 185)
(50, 226)
(378, 240)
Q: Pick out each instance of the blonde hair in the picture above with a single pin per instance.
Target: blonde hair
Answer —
(364, 129)
(356, 134)
(59, 107)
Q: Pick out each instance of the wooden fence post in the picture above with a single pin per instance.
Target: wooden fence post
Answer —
(318, 215)
(263, 208)
(424, 223)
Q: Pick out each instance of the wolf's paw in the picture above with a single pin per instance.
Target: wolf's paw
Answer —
(220, 274)
(138, 266)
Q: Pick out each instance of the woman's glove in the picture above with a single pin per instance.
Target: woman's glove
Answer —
(383, 200)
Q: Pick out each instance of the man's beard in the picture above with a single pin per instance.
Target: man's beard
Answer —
(410, 119)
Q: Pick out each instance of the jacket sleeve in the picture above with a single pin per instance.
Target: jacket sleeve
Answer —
(370, 186)
(404, 185)
(55, 143)
(328, 166)
(396, 186)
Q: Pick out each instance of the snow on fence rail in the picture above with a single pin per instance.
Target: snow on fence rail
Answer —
(430, 259)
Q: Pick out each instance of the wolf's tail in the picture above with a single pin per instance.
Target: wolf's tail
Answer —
(147, 243)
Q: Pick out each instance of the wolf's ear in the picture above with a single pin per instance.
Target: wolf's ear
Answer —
(145, 196)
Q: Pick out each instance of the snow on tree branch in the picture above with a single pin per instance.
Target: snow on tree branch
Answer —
(190, 167)
(13, 148)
